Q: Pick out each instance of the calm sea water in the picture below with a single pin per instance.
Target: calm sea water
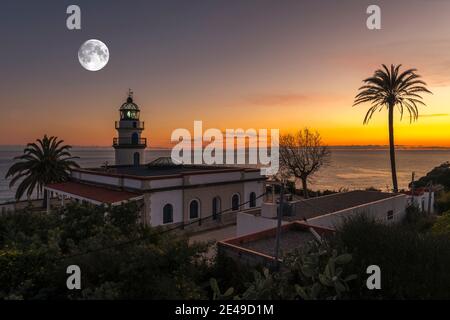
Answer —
(350, 167)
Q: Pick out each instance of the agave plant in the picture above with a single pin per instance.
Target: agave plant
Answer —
(43, 162)
(389, 88)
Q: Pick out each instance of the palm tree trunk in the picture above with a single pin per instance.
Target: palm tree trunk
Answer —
(305, 188)
(392, 147)
(44, 204)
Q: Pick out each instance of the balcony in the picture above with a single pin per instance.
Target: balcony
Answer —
(130, 125)
(130, 142)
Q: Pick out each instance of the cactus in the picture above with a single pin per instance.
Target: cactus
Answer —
(264, 286)
(314, 272)
(217, 294)
(321, 272)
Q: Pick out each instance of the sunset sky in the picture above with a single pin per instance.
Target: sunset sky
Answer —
(232, 64)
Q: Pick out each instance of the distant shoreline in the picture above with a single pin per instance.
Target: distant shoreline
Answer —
(345, 147)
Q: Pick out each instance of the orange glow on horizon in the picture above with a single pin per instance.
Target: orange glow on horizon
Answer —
(332, 114)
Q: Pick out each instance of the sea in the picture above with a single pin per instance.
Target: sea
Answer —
(350, 168)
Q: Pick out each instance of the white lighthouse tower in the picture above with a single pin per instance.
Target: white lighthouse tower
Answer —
(129, 146)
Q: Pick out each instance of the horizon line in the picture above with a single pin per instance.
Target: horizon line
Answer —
(330, 146)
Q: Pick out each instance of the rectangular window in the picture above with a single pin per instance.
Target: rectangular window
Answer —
(390, 215)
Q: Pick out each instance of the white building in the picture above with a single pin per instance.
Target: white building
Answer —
(423, 199)
(195, 196)
(326, 211)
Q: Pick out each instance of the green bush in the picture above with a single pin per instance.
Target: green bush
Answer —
(418, 220)
(413, 265)
(438, 175)
(230, 273)
(443, 201)
(315, 271)
(442, 225)
(138, 262)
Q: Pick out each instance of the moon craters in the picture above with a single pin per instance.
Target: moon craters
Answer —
(93, 55)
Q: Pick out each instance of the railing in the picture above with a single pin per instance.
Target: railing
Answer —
(130, 125)
(130, 142)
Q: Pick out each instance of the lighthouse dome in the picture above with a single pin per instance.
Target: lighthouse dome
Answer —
(129, 105)
(129, 110)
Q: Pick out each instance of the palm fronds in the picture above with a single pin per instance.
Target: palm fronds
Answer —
(45, 161)
(388, 87)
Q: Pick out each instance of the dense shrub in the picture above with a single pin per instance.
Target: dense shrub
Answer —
(138, 262)
(439, 175)
(230, 273)
(141, 262)
(413, 265)
(418, 220)
(313, 272)
(443, 201)
(442, 225)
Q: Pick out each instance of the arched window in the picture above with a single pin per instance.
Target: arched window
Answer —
(194, 209)
(216, 208)
(168, 213)
(235, 199)
(252, 200)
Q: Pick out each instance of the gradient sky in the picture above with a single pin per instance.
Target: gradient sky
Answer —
(250, 64)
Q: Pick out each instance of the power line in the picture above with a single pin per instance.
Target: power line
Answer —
(159, 233)
(182, 226)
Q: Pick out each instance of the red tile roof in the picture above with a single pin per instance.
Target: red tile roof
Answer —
(95, 193)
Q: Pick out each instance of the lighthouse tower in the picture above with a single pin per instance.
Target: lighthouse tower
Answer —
(129, 146)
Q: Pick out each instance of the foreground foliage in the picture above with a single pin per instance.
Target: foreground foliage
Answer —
(414, 265)
(442, 225)
(35, 250)
(443, 201)
(139, 262)
(315, 271)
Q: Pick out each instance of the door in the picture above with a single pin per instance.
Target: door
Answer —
(135, 138)
(136, 159)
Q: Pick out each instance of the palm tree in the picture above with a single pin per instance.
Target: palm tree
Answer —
(43, 162)
(390, 88)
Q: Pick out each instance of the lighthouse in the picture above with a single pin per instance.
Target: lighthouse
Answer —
(129, 146)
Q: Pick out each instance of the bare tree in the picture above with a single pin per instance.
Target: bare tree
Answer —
(302, 154)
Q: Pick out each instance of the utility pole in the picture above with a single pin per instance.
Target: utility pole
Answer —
(430, 187)
(280, 215)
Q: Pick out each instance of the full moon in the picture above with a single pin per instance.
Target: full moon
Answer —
(93, 55)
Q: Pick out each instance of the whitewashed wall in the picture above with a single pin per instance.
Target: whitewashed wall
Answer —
(114, 181)
(378, 210)
(253, 186)
(132, 183)
(422, 201)
(158, 200)
(125, 156)
(165, 183)
(249, 223)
